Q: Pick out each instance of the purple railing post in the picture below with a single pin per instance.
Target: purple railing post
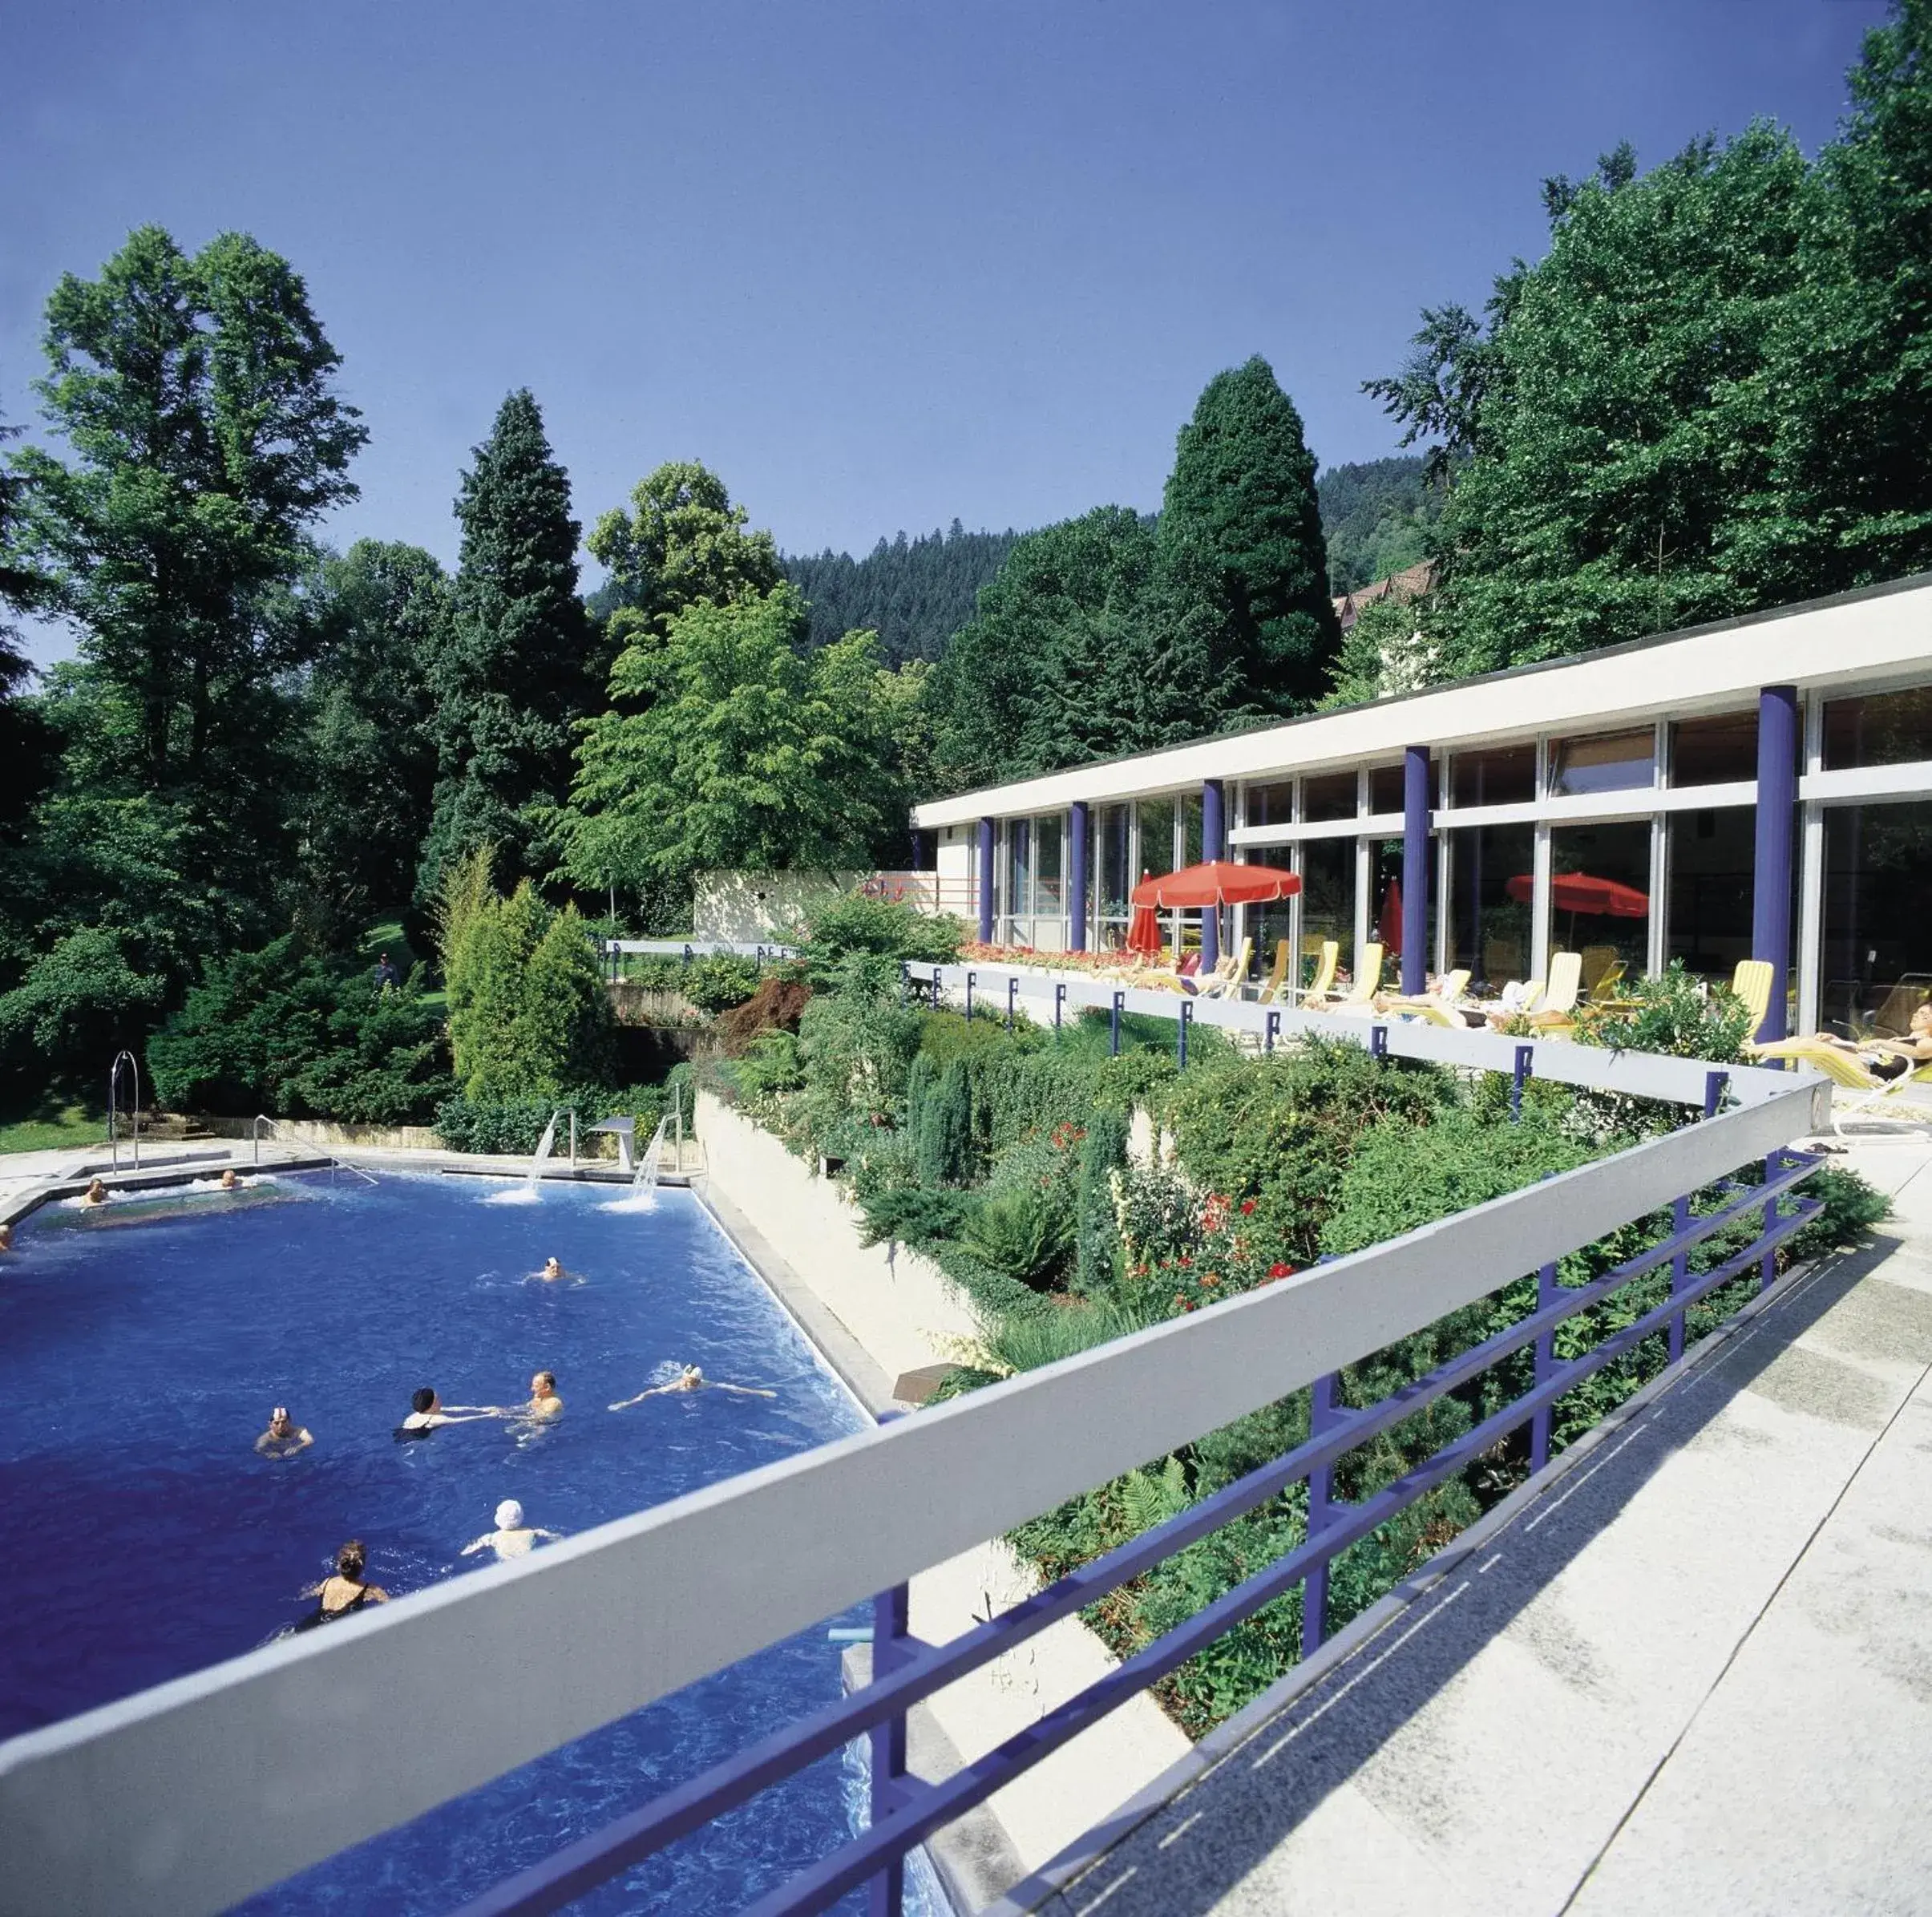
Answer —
(1714, 1084)
(891, 1621)
(1180, 1043)
(1525, 1055)
(1768, 1267)
(1378, 1042)
(1546, 1288)
(1012, 989)
(905, 976)
(1680, 1270)
(1271, 1028)
(970, 977)
(1120, 998)
(1324, 1413)
(1060, 999)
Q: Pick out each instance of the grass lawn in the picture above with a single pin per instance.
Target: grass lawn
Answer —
(50, 1128)
(386, 935)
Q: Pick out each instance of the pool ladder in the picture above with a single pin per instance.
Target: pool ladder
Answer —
(262, 1119)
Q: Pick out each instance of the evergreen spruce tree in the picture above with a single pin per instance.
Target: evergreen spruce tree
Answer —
(1096, 1246)
(561, 1033)
(944, 1151)
(486, 994)
(1242, 496)
(516, 673)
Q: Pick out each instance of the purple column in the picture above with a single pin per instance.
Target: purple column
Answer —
(1214, 844)
(1076, 881)
(919, 848)
(1777, 796)
(985, 881)
(1415, 870)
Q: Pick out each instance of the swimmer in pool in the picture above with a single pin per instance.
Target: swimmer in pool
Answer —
(690, 1378)
(427, 1413)
(544, 1400)
(283, 1436)
(552, 1271)
(344, 1593)
(513, 1537)
(96, 1194)
(229, 1181)
(6, 1238)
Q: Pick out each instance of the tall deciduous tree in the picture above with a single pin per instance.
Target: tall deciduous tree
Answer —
(384, 613)
(733, 748)
(516, 673)
(1242, 499)
(197, 397)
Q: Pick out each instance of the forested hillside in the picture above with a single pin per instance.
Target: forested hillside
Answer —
(914, 593)
(1375, 517)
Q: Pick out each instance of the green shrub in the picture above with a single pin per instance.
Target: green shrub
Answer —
(290, 1033)
(1675, 1014)
(850, 924)
(943, 1142)
(719, 980)
(1096, 1246)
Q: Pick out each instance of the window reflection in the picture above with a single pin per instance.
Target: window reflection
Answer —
(1612, 761)
(1489, 927)
(1878, 949)
(1600, 895)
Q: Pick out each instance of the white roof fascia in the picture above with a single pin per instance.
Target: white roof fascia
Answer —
(1883, 634)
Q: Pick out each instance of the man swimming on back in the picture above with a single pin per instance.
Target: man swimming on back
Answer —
(283, 1436)
(690, 1378)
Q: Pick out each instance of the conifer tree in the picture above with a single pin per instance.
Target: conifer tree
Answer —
(516, 673)
(1241, 497)
(560, 1034)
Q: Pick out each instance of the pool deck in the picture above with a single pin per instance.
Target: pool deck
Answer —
(1692, 1671)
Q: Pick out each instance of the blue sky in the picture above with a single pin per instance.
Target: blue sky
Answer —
(879, 264)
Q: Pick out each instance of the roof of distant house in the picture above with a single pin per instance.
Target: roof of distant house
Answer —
(1412, 582)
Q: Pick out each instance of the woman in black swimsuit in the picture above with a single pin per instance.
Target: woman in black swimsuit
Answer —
(346, 1593)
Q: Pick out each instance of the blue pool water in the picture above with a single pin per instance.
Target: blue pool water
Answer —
(141, 1350)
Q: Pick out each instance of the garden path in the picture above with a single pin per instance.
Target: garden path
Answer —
(1691, 1672)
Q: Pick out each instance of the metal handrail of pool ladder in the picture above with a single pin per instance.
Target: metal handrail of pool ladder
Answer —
(261, 1118)
(114, 1129)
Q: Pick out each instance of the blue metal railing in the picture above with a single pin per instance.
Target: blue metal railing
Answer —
(905, 1811)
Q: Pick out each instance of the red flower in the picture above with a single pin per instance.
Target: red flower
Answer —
(1247, 1205)
(1186, 1259)
(1281, 1271)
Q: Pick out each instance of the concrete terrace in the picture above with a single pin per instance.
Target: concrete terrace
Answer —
(1692, 1673)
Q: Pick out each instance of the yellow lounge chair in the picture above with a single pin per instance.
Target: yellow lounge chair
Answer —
(1883, 1100)
(1225, 981)
(1360, 996)
(1599, 961)
(1436, 1008)
(1556, 1010)
(1751, 982)
(1279, 976)
(1324, 981)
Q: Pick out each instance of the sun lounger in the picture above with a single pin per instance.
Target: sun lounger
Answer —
(1436, 1008)
(1324, 981)
(1278, 978)
(1360, 996)
(1883, 1101)
(1751, 982)
(1556, 1011)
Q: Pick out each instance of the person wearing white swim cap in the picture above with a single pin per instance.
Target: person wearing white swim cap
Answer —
(513, 1537)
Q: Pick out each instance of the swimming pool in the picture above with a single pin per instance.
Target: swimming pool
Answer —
(141, 1349)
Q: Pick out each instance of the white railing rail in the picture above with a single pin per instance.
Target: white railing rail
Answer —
(187, 1798)
(1562, 1062)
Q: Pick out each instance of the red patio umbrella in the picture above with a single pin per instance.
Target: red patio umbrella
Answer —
(1389, 927)
(1220, 882)
(1579, 893)
(1144, 931)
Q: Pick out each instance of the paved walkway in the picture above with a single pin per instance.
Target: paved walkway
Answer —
(1694, 1674)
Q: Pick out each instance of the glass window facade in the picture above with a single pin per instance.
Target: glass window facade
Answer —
(1386, 789)
(1877, 943)
(1332, 796)
(1715, 751)
(1050, 883)
(1883, 728)
(1712, 858)
(1157, 835)
(1327, 900)
(1505, 776)
(1191, 831)
(1611, 761)
(1489, 927)
(1271, 805)
(1112, 876)
(1385, 903)
(1600, 894)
